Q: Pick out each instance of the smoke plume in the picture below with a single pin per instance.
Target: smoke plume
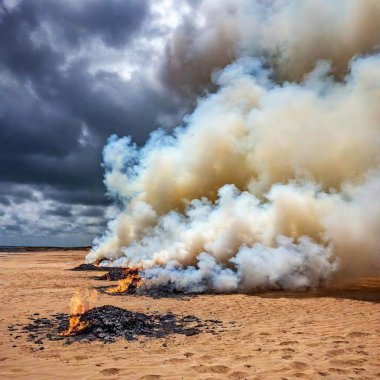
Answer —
(291, 35)
(273, 180)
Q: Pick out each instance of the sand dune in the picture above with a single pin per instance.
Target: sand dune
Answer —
(330, 334)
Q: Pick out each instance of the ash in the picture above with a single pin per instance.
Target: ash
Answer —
(165, 291)
(86, 267)
(113, 274)
(89, 267)
(109, 323)
(157, 292)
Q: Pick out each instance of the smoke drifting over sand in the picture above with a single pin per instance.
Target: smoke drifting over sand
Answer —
(269, 183)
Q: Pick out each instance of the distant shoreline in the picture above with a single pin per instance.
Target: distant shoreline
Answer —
(17, 249)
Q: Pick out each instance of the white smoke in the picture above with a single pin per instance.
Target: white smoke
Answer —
(292, 35)
(266, 185)
(287, 266)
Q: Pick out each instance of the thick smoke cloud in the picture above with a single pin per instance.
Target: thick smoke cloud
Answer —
(291, 35)
(272, 180)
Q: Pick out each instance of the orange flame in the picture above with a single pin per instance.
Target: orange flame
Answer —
(131, 281)
(97, 262)
(80, 302)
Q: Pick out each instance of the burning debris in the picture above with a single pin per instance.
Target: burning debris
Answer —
(87, 267)
(131, 281)
(90, 267)
(129, 278)
(81, 301)
(109, 323)
(113, 274)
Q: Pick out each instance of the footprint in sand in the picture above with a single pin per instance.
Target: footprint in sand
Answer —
(176, 361)
(238, 375)
(340, 341)
(211, 368)
(299, 365)
(335, 352)
(358, 371)
(357, 334)
(347, 363)
(287, 349)
(110, 371)
(338, 370)
(207, 357)
(81, 357)
(288, 342)
(243, 357)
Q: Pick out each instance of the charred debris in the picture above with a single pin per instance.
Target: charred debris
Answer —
(109, 323)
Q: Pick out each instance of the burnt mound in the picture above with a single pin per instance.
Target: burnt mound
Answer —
(109, 323)
(113, 274)
(88, 267)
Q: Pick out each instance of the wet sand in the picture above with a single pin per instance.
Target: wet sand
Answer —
(333, 334)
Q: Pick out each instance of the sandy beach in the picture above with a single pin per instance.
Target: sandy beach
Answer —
(330, 334)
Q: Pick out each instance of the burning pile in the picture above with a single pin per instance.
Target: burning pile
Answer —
(113, 274)
(109, 323)
(131, 281)
(79, 304)
(89, 267)
(86, 267)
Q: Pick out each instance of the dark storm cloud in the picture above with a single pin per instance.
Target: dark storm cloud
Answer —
(113, 21)
(25, 47)
(12, 194)
(61, 210)
(14, 228)
(84, 196)
(92, 212)
(57, 109)
(35, 221)
(4, 200)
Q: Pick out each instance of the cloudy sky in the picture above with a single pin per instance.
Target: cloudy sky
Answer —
(72, 73)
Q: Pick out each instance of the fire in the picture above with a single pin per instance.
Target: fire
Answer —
(80, 302)
(97, 262)
(75, 325)
(131, 281)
